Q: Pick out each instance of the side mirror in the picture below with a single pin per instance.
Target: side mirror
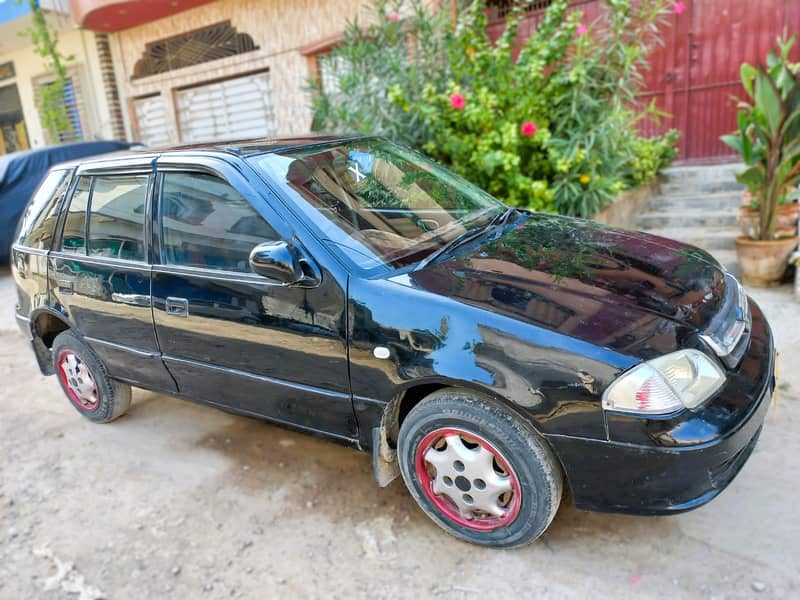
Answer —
(283, 263)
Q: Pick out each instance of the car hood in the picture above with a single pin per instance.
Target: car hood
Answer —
(600, 284)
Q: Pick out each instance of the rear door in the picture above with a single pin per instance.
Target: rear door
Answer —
(100, 273)
(234, 338)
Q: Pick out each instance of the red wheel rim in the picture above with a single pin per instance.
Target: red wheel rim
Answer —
(468, 479)
(78, 381)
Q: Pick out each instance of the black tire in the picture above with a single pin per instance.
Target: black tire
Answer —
(112, 397)
(532, 466)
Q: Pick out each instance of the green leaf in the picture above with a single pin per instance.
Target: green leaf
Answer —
(734, 141)
(768, 100)
(752, 177)
(748, 74)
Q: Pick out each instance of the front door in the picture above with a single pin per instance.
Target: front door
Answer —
(13, 135)
(99, 274)
(231, 337)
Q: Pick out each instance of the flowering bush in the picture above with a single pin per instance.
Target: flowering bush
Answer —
(552, 129)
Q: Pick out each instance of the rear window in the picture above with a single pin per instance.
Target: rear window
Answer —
(38, 222)
(116, 217)
(74, 236)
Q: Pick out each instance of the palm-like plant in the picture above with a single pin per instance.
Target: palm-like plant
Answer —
(769, 134)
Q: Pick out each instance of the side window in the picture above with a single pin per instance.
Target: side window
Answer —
(206, 223)
(38, 223)
(74, 236)
(116, 216)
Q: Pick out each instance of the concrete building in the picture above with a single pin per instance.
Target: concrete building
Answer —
(196, 70)
(90, 108)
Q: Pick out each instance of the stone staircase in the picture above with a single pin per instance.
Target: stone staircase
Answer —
(698, 206)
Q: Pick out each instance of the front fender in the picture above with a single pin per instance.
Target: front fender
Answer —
(401, 337)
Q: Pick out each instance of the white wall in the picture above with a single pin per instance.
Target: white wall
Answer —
(29, 67)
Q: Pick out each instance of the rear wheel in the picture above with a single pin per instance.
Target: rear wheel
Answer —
(480, 472)
(85, 381)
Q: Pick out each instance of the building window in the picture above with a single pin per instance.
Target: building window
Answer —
(150, 121)
(500, 9)
(330, 69)
(193, 48)
(238, 108)
(323, 65)
(73, 106)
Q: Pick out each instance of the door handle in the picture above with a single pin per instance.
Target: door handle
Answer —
(65, 286)
(177, 307)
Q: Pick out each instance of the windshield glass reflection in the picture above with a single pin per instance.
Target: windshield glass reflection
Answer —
(384, 206)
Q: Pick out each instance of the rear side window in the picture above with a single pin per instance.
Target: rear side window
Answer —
(116, 217)
(38, 223)
(74, 236)
(206, 223)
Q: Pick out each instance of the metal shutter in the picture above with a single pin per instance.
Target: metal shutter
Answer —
(233, 109)
(151, 121)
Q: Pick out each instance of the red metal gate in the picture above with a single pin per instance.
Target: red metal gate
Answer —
(694, 77)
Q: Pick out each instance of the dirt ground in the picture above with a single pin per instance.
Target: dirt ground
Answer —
(177, 500)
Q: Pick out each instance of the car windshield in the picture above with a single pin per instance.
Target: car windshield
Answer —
(383, 206)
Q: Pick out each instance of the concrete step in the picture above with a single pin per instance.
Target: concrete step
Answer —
(678, 202)
(706, 173)
(708, 238)
(689, 218)
(699, 186)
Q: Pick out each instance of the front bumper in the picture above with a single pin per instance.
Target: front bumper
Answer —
(655, 478)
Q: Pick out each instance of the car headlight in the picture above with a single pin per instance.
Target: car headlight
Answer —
(682, 379)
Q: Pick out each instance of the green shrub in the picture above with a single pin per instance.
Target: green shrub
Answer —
(552, 129)
(650, 155)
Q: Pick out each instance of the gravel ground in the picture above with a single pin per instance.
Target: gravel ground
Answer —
(178, 500)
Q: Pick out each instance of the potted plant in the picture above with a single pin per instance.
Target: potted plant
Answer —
(786, 218)
(769, 141)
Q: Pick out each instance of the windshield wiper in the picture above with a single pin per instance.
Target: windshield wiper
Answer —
(501, 218)
(469, 235)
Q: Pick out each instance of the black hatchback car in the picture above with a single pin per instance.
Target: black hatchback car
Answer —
(355, 289)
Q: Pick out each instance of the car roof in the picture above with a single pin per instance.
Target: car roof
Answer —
(241, 148)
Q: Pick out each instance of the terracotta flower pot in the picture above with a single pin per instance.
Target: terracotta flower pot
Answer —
(785, 221)
(763, 263)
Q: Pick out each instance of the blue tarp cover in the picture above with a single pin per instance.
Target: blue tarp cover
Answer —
(21, 172)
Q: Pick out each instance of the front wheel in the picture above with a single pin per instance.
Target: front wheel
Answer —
(477, 470)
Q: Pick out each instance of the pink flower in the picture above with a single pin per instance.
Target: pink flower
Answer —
(393, 16)
(528, 129)
(679, 7)
(581, 30)
(457, 101)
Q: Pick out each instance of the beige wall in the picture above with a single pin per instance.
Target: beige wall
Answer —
(29, 68)
(278, 27)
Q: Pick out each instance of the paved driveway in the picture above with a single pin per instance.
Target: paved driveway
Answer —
(183, 501)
